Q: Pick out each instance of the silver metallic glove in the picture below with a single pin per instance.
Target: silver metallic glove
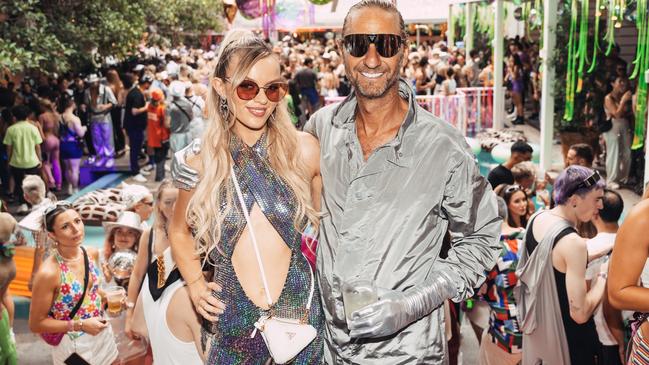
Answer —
(396, 310)
(183, 176)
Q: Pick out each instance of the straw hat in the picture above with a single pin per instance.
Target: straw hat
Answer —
(127, 220)
(7, 226)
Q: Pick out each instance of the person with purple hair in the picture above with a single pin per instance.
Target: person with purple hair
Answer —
(555, 306)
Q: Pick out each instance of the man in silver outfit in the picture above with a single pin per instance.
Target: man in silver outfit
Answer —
(396, 180)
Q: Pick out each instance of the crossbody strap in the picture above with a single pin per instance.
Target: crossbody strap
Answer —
(256, 247)
(85, 283)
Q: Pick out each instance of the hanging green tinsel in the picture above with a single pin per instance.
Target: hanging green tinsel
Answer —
(596, 49)
(570, 70)
(582, 49)
(641, 66)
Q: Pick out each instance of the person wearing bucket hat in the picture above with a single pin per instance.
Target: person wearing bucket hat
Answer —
(66, 308)
(138, 199)
(121, 237)
(99, 100)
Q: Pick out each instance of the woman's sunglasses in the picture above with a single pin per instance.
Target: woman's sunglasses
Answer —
(248, 90)
(387, 45)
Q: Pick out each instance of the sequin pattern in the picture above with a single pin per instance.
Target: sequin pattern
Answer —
(230, 336)
(70, 293)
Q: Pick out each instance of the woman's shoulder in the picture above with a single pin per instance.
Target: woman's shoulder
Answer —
(49, 271)
(309, 145)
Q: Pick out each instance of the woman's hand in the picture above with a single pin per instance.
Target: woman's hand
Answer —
(128, 325)
(205, 303)
(93, 326)
(108, 276)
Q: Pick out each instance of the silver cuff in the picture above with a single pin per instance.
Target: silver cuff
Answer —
(183, 176)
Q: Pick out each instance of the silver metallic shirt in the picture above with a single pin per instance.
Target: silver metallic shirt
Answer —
(385, 220)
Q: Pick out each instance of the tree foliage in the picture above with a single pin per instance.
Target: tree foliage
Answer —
(62, 35)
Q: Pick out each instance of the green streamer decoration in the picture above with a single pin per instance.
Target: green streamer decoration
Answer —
(641, 66)
(596, 49)
(570, 70)
(610, 27)
(582, 49)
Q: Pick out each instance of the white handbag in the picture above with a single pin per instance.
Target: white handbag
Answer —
(285, 338)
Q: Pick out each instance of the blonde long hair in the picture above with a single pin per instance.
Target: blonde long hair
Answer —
(214, 195)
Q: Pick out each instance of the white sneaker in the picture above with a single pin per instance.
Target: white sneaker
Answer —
(144, 172)
(139, 178)
(23, 208)
(110, 163)
(167, 167)
(90, 160)
(148, 168)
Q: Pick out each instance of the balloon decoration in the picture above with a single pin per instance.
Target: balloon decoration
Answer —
(290, 14)
(250, 9)
(229, 10)
(640, 71)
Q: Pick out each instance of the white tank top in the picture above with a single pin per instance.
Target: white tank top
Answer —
(167, 348)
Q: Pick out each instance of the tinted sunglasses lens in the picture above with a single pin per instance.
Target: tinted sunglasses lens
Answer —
(388, 44)
(247, 90)
(275, 92)
(357, 44)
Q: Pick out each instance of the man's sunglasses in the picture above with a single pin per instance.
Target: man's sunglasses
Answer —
(248, 90)
(387, 45)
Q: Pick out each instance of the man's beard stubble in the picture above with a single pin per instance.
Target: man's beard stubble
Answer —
(370, 94)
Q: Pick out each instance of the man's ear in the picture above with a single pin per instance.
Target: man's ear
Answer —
(406, 53)
(219, 87)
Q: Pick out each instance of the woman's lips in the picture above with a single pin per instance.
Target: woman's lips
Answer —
(257, 112)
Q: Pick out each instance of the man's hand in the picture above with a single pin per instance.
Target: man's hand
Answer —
(382, 318)
(396, 309)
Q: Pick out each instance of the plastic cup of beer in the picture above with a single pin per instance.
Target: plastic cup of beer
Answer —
(115, 296)
(358, 294)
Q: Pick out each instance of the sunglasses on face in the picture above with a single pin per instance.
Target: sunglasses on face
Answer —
(248, 90)
(387, 45)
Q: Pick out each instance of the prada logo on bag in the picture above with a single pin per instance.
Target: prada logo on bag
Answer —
(290, 335)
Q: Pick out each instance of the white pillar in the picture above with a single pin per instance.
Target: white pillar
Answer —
(468, 37)
(547, 83)
(499, 53)
(450, 31)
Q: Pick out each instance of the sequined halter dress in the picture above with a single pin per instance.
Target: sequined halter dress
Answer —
(229, 337)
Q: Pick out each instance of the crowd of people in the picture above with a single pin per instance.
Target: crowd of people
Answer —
(252, 200)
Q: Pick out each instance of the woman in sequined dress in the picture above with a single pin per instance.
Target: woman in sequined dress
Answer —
(277, 167)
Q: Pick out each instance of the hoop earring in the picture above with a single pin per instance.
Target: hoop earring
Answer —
(224, 109)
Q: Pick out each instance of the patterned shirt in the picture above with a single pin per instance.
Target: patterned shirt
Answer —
(70, 293)
(501, 281)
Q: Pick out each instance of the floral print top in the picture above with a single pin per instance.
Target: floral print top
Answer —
(70, 292)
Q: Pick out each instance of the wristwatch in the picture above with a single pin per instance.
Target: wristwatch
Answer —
(130, 305)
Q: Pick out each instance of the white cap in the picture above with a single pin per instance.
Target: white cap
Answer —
(177, 88)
